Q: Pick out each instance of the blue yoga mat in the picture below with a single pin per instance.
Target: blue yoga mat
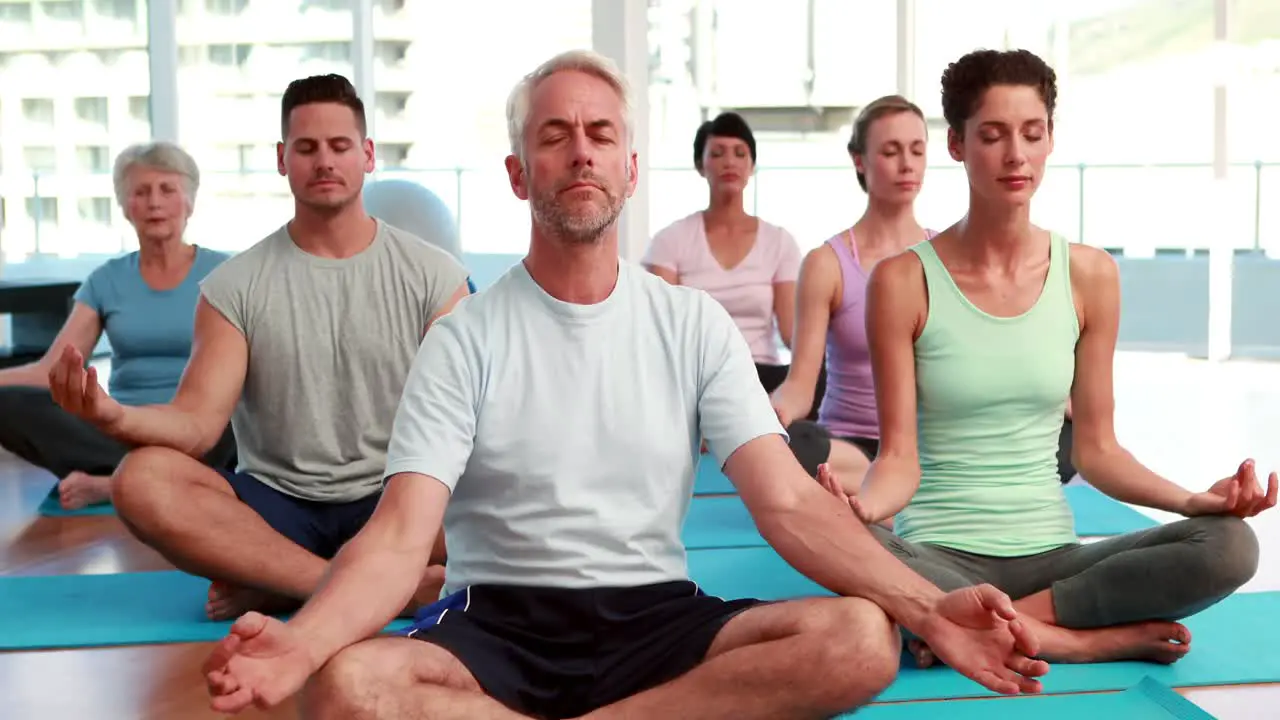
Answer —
(51, 506)
(1230, 641)
(710, 479)
(1148, 700)
(64, 611)
(1095, 514)
(723, 522)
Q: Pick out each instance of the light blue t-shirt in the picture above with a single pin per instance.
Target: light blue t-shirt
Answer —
(569, 434)
(150, 331)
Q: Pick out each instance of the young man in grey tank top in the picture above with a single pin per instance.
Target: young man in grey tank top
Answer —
(304, 342)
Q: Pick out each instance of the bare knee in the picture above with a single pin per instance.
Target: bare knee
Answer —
(858, 648)
(145, 481)
(345, 687)
(379, 672)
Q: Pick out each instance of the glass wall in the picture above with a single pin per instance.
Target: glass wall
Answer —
(1132, 170)
(231, 76)
(74, 91)
(442, 74)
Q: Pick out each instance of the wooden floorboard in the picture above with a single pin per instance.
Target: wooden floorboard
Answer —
(149, 682)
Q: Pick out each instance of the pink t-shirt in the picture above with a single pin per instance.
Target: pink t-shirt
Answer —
(746, 290)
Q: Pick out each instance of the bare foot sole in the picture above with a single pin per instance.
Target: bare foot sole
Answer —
(79, 490)
(428, 591)
(227, 602)
(1158, 642)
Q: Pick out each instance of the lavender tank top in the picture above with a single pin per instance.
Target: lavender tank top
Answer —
(849, 405)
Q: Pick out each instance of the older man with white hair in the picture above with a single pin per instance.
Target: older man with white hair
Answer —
(552, 423)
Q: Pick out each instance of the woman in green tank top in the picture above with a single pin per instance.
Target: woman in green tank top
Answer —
(979, 338)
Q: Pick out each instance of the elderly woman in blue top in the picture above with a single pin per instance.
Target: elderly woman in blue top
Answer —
(145, 303)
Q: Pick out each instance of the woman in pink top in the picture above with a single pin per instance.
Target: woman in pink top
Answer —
(888, 152)
(748, 265)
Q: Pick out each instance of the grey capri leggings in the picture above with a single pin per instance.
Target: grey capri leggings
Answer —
(1166, 573)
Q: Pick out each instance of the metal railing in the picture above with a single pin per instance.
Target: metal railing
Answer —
(1136, 209)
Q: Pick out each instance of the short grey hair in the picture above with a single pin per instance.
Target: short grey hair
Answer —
(585, 61)
(160, 155)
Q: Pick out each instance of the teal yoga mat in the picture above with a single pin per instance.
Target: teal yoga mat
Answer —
(51, 507)
(1230, 640)
(1096, 514)
(64, 611)
(710, 479)
(1148, 700)
(723, 522)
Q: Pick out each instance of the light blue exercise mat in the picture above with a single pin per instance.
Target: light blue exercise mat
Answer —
(51, 506)
(1095, 514)
(1148, 700)
(69, 611)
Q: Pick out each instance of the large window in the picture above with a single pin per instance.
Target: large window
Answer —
(441, 75)
(71, 75)
(1253, 81)
(798, 89)
(232, 72)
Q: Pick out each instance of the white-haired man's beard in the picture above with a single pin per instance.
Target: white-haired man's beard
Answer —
(581, 223)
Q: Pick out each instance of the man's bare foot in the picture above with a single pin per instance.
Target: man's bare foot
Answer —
(428, 591)
(227, 602)
(79, 490)
(920, 653)
(1157, 642)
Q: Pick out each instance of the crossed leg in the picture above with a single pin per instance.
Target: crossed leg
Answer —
(1118, 599)
(803, 659)
(191, 515)
(813, 658)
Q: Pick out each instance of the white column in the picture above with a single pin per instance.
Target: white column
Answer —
(1221, 254)
(907, 49)
(620, 31)
(362, 57)
(162, 52)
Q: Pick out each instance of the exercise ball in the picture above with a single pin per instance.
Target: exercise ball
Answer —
(414, 209)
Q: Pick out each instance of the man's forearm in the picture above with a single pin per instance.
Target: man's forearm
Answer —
(1118, 474)
(163, 426)
(824, 541)
(367, 585)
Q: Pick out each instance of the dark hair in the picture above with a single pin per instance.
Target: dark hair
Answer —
(726, 124)
(321, 89)
(966, 80)
(876, 109)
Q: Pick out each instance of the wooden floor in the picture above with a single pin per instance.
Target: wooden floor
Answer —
(1190, 421)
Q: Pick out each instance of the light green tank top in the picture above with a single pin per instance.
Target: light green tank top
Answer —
(991, 395)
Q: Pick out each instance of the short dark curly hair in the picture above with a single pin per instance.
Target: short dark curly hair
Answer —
(966, 80)
(728, 125)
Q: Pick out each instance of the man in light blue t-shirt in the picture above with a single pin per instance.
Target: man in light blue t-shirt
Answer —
(553, 423)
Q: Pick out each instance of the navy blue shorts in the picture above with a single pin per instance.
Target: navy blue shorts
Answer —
(319, 527)
(561, 653)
